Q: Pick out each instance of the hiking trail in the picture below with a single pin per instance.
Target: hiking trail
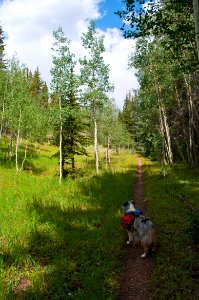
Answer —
(135, 280)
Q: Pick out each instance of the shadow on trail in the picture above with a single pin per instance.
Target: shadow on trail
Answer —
(78, 249)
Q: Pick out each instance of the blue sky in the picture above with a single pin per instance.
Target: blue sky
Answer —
(29, 25)
(109, 19)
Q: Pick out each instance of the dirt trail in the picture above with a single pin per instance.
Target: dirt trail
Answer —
(135, 282)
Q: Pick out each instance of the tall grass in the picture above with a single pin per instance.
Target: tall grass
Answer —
(65, 240)
(173, 203)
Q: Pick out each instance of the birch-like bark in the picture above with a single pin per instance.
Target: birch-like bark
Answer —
(167, 132)
(164, 128)
(3, 111)
(96, 142)
(163, 142)
(108, 160)
(166, 137)
(108, 153)
(60, 142)
(190, 121)
(2, 117)
(17, 142)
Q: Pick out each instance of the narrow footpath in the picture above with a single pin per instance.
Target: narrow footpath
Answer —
(135, 281)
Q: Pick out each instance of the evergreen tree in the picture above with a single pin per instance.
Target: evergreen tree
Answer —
(127, 113)
(36, 84)
(44, 96)
(65, 90)
(39, 89)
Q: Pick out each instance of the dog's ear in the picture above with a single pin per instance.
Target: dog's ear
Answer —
(133, 202)
(126, 203)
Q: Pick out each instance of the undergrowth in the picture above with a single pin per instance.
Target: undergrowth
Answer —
(173, 204)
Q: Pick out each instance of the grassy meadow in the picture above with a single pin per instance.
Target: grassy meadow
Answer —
(62, 242)
(65, 242)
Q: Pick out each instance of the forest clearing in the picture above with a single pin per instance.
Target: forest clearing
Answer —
(77, 143)
(66, 242)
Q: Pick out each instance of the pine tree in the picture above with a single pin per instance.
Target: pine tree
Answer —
(127, 113)
(44, 96)
(74, 137)
(65, 89)
(36, 84)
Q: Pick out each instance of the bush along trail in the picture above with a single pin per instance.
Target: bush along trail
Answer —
(135, 283)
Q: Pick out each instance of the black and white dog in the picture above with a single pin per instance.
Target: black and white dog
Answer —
(139, 227)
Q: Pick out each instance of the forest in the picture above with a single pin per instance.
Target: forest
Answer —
(68, 159)
(76, 113)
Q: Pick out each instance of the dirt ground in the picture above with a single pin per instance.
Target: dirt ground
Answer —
(135, 280)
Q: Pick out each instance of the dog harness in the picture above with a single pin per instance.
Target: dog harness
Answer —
(128, 219)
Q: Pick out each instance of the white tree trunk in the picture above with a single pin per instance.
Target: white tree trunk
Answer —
(168, 136)
(190, 121)
(18, 142)
(2, 116)
(11, 146)
(60, 143)
(164, 128)
(3, 110)
(163, 142)
(96, 143)
(108, 160)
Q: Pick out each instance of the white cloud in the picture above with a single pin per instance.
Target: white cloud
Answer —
(29, 25)
(118, 50)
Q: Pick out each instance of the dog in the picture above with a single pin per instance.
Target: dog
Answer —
(139, 228)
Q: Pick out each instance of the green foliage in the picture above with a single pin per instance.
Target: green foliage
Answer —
(171, 19)
(2, 49)
(164, 83)
(94, 72)
(69, 120)
(21, 113)
(150, 62)
(95, 79)
(128, 115)
(39, 89)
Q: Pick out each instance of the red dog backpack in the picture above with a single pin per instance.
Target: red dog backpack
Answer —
(127, 221)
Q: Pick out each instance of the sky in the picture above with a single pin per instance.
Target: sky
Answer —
(29, 24)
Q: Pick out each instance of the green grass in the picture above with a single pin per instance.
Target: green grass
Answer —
(65, 239)
(173, 203)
